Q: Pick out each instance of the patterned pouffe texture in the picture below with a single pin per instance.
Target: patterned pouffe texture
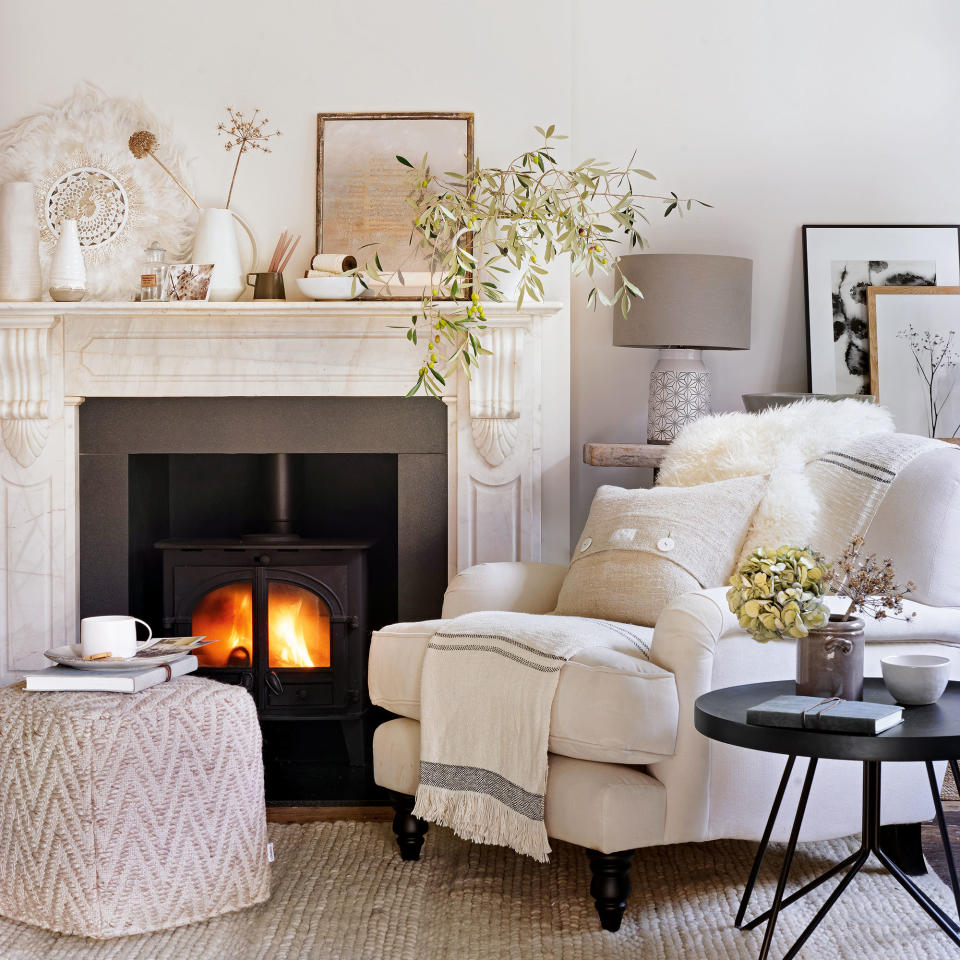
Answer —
(126, 813)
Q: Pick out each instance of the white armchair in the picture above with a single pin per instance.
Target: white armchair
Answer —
(627, 767)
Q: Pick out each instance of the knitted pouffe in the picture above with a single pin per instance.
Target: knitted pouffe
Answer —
(125, 813)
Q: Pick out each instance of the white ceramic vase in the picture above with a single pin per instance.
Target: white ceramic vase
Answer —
(19, 243)
(216, 243)
(68, 272)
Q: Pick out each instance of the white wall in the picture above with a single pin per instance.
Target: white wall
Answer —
(777, 113)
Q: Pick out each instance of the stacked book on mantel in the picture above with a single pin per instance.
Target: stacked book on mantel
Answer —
(829, 714)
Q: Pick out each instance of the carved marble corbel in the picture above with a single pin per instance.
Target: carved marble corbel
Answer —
(24, 391)
(495, 396)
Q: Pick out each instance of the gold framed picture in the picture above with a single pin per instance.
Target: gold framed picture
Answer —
(362, 188)
(914, 335)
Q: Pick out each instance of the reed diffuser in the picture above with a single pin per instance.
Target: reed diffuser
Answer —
(268, 285)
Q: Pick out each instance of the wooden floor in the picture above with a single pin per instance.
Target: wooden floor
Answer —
(932, 848)
(321, 814)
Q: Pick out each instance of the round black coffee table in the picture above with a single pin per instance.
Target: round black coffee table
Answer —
(927, 733)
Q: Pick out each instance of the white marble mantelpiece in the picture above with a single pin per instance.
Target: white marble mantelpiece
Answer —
(53, 356)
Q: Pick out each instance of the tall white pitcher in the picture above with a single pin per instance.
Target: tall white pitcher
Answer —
(216, 243)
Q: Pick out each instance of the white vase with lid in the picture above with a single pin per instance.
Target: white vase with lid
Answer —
(19, 243)
(68, 272)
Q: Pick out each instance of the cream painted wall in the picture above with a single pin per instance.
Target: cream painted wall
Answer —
(294, 58)
(779, 114)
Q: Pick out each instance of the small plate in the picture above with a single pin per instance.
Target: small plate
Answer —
(165, 650)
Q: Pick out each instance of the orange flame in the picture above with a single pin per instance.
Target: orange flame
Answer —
(298, 624)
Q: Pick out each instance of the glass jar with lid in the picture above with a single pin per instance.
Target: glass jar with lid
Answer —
(153, 272)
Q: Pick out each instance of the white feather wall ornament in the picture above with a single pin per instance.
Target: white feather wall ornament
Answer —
(77, 156)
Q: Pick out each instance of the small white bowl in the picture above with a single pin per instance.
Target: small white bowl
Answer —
(330, 288)
(915, 679)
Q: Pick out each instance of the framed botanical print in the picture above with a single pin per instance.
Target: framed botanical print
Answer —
(840, 263)
(362, 189)
(915, 357)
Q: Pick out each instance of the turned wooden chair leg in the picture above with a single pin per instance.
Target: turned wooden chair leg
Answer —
(410, 830)
(610, 885)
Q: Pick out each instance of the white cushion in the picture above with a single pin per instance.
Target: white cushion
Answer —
(611, 705)
(642, 549)
(918, 526)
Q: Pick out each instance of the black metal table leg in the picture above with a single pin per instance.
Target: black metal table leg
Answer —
(871, 800)
(788, 859)
(949, 927)
(764, 841)
(944, 834)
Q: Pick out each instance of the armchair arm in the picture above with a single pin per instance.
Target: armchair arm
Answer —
(520, 587)
(698, 639)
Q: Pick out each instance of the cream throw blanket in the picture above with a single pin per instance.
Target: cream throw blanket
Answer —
(487, 688)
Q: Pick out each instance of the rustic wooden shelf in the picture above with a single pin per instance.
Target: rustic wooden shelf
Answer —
(624, 454)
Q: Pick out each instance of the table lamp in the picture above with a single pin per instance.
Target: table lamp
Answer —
(691, 302)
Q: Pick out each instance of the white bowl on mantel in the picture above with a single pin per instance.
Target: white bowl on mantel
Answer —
(915, 679)
(330, 288)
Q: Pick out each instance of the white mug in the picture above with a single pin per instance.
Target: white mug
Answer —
(116, 635)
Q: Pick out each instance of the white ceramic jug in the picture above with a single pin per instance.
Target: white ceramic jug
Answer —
(19, 243)
(216, 243)
(68, 273)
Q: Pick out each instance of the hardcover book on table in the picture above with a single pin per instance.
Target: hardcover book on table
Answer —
(827, 714)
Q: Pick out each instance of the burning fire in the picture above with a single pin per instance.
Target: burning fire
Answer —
(298, 625)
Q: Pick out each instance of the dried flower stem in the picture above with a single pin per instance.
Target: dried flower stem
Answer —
(170, 174)
(142, 143)
(868, 583)
(244, 133)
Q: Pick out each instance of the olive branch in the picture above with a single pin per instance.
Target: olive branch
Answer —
(476, 227)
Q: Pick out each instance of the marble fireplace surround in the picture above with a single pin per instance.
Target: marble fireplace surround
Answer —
(53, 356)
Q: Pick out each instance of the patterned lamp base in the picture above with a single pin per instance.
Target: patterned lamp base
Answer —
(680, 392)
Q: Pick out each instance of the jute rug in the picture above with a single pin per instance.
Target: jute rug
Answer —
(341, 892)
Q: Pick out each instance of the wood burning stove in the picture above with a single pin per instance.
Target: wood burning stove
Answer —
(288, 616)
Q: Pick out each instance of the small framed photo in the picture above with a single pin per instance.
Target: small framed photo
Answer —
(362, 189)
(915, 357)
(189, 281)
(840, 263)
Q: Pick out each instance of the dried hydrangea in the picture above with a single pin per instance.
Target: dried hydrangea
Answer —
(777, 593)
(868, 583)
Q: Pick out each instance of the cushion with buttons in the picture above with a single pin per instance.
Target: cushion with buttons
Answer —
(641, 549)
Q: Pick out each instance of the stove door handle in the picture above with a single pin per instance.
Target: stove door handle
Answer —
(274, 683)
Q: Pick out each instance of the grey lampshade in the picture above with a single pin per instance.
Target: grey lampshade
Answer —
(689, 300)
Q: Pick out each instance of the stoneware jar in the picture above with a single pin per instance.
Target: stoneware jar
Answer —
(830, 660)
(68, 273)
(19, 243)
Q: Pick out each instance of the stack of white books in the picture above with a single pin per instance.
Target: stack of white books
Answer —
(116, 681)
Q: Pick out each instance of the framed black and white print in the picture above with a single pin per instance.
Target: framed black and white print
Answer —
(839, 263)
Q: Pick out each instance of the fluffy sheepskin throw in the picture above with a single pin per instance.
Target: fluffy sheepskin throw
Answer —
(779, 442)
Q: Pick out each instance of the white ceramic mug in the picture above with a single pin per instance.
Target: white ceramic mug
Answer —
(116, 635)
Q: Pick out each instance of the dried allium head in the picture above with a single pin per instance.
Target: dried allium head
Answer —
(141, 143)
